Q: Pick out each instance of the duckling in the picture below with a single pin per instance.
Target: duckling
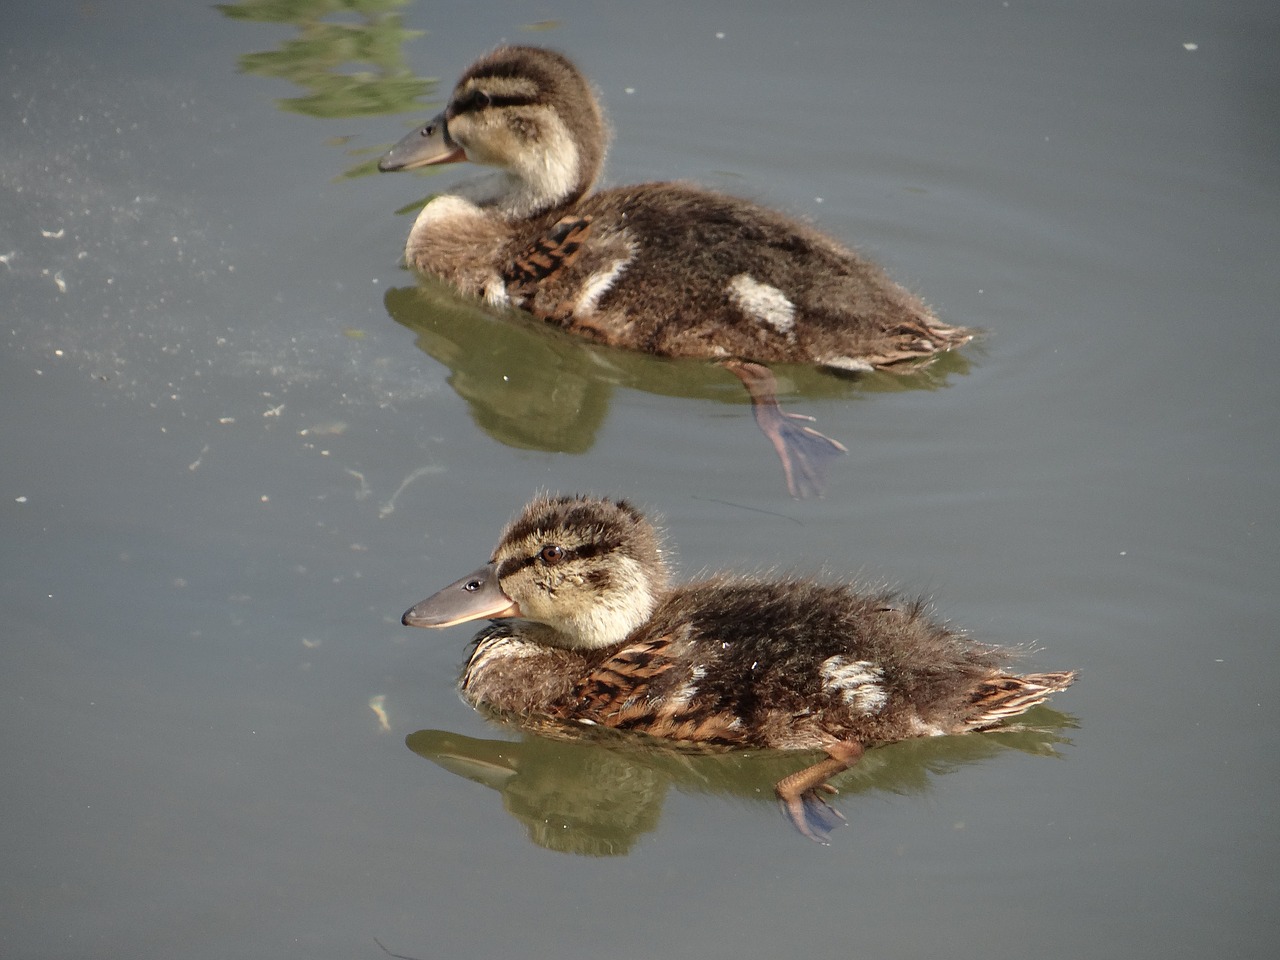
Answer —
(593, 633)
(665, 268)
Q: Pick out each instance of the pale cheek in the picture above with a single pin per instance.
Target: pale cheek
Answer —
(552, 593)
(498, 148)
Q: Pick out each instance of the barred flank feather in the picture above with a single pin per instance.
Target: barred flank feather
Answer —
(1008, 696)
(547, 256)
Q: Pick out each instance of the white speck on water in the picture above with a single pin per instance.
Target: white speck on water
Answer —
(1191, 46)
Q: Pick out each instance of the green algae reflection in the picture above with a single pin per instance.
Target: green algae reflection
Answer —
(348, 56)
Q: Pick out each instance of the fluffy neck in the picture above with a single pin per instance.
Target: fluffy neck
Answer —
(514, 197)
(612, 618)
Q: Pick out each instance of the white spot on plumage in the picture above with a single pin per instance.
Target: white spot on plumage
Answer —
(856, 681)
(690, 689)
(763, 303)
(921, 729)
(495, 293)
(600, 282)
(851, 364)
(682, 696)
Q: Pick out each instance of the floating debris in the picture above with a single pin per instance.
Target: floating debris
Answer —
(378, 705)
(389, 507)
(329, 428)
(365, 489)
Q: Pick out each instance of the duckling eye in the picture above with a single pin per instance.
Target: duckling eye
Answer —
(471, 586)
(551, 554)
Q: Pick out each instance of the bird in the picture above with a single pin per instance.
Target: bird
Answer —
(667, 268)
(588, 631)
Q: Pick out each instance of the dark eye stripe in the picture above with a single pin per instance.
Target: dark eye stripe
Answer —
(584, 552)
(475, 100)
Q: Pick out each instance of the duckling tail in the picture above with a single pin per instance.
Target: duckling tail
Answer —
(1007, 696)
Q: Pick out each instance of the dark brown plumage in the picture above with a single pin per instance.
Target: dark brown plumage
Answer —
(788, 664)
(666, 268)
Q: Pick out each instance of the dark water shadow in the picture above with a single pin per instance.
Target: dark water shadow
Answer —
(596, 794)
(532, 386)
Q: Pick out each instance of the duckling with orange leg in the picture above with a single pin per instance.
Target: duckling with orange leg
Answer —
(665, 268)
(592, 633)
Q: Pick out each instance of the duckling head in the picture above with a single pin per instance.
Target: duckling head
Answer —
(589, 571)
(527, 111)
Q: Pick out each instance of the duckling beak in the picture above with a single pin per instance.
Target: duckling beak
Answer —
(429, 144)
(476, 596)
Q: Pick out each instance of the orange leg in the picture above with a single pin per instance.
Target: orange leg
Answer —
(804, 452)
(808, 812)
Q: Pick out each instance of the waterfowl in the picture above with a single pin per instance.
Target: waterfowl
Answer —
(590, 632)
(666, 268)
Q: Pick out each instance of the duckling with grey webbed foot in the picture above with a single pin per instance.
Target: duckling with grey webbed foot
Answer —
(665, 268)
(590, 633)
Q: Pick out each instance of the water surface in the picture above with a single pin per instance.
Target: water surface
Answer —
(239, 442)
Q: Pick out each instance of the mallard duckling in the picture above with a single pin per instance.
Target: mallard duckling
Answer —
(598, 637)
(666, 268)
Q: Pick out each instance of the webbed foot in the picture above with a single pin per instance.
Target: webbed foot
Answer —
(805, 453)
(812, 816)
(798, 793)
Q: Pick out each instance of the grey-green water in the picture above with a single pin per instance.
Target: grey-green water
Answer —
(237, 444)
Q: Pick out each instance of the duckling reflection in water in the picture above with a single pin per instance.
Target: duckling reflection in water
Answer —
(595, 793)
(665, 268)
(594, 635)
